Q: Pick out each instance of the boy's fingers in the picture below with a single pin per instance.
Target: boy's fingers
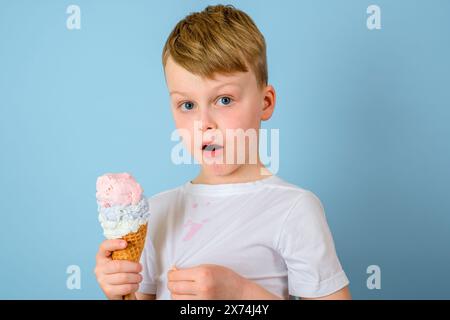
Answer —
(182, 287)
(183, 274)
(184, 296)
(123, 278)
(123, 289)
(108, 246)
(121, 266)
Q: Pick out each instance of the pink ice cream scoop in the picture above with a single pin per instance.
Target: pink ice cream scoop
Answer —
(117, 189)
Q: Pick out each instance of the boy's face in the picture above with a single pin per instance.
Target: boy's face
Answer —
(210, 108)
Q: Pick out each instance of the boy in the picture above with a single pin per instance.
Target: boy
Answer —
(236, 231)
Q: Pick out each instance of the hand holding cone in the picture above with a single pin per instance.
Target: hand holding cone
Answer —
(123, 213)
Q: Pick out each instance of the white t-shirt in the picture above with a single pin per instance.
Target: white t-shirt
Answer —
(268, 231)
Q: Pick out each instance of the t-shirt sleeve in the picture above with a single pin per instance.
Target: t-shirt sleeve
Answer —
(148, 283)
(307, 246)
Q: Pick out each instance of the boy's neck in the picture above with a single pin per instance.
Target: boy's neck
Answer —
(245, 173)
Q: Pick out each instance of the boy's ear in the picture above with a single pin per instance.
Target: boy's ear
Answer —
(268, 103)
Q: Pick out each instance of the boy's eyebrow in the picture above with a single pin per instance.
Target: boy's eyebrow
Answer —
(215, 88)
(177, 92)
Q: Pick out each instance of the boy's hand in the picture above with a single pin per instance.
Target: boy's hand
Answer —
(116, 277)
(205, 282)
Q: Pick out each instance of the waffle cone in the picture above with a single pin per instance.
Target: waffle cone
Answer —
(135, 245)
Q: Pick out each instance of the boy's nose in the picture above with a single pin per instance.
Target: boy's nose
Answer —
(207, 120)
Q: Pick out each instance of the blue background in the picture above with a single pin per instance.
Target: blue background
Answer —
(363, 118)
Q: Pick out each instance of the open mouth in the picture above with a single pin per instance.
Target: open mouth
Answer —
(212, 150)
(211, 147)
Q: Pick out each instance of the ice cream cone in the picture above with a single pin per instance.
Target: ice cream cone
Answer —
(135, 245)
(123, 214)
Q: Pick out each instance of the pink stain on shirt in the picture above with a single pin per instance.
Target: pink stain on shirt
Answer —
(194, 228)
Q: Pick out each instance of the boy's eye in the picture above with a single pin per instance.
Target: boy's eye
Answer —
(186, 106)
(225, 100)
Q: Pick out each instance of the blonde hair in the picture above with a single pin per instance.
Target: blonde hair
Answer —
(220, 39)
